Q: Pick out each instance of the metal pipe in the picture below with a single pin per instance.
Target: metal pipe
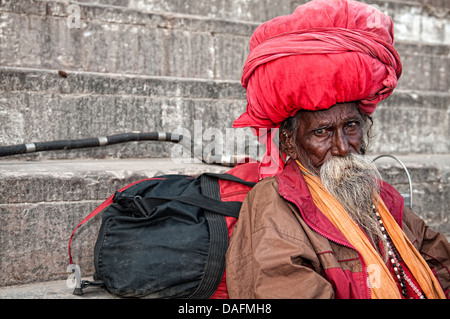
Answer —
(116, 139)
(407, 174)
(88, 142)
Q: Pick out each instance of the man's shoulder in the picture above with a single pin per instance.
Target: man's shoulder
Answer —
(268, 184)
(267, 209)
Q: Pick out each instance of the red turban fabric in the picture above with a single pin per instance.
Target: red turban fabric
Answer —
(325, 52)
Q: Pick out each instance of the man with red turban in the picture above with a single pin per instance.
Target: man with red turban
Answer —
(321, 223)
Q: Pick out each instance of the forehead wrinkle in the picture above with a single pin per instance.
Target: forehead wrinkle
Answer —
(331, 116)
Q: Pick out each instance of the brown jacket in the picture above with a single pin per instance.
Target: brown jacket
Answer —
(283, 247)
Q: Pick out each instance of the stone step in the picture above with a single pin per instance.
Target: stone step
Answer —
(118, 40)
(55, 289)
(256, 11)
(42, 202)
(40, 105)
(114, 39)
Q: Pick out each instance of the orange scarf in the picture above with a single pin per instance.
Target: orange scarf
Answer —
(383, 285)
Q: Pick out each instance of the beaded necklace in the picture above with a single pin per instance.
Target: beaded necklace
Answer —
(395, 260)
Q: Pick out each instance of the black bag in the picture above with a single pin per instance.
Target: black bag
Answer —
(164, 237)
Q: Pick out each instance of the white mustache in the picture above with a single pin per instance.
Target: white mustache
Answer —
(353, 165)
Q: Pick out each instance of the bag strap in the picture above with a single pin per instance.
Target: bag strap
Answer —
(218, 239)
(198, 200)
(230, 177)
(100, 208)
(209, 200)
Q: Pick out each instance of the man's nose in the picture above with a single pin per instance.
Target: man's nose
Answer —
(341, 145)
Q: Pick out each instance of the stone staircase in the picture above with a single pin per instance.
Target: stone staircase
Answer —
(71, 70)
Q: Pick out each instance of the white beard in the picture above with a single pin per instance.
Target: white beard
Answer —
(354, 180)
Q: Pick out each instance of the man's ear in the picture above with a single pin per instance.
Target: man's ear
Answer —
(287, 139)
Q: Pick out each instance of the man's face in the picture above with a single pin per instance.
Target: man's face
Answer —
(336, 131)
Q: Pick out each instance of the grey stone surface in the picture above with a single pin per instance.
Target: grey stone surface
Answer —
(262, 10)
(425, 67)
(57, 289)
(430, 175)
(34, 240)
(82, 180)
(410, 122)
(117, 40)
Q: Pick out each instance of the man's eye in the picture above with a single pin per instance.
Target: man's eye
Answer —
(352, 124)
(321, 131)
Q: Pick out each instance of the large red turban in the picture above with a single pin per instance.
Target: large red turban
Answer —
(325, 52)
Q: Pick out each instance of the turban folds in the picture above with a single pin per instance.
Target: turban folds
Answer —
(325, 52)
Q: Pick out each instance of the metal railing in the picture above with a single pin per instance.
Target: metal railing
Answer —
(408, 198)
